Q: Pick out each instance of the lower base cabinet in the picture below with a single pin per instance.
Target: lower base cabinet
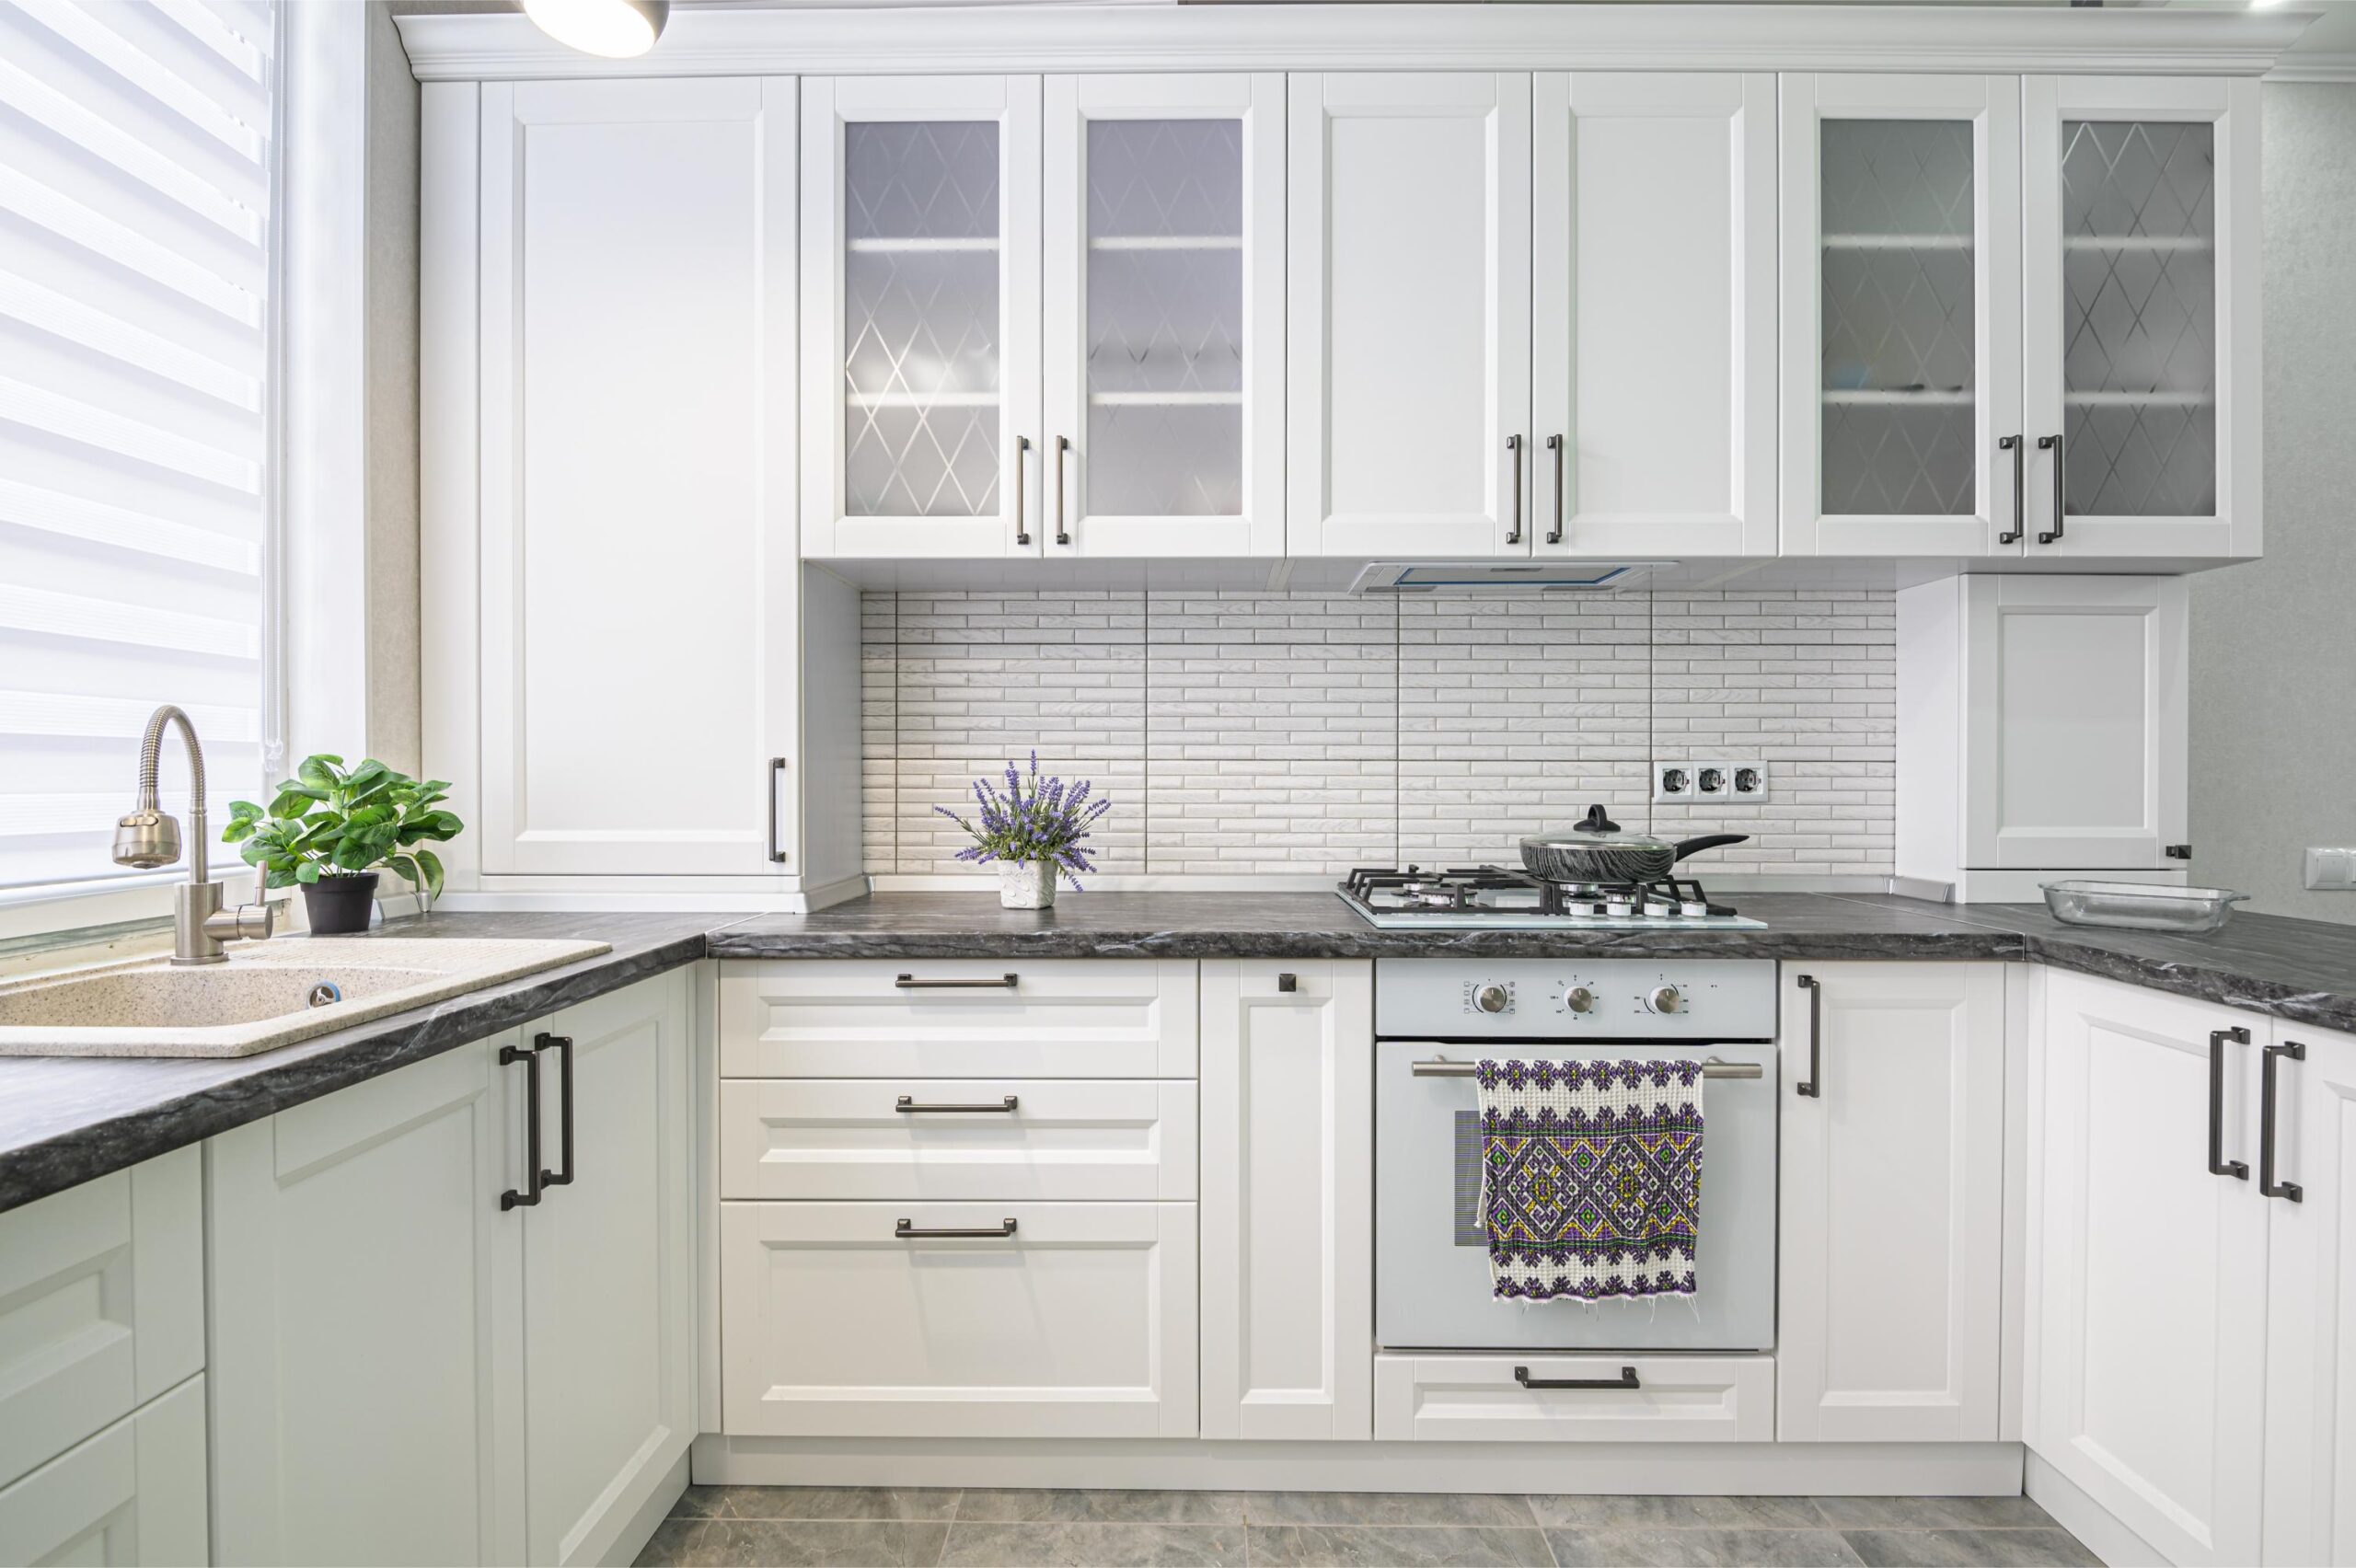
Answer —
(406, 1371)
(1618, 1399)
(133, 1493)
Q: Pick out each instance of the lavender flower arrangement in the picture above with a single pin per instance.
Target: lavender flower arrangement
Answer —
(1046, 823)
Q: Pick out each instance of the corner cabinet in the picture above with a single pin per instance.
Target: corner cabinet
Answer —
(511, 1382)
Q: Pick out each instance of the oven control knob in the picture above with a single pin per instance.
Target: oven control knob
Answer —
(1580, 999)
(1492, 998)
(1666, 1000)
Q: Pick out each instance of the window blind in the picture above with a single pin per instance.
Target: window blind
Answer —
(135, 407)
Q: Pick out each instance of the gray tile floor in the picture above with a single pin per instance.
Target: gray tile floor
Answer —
(792, 1527)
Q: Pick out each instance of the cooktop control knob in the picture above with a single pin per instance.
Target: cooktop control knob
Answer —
(1492, 998)
(1580, 999)
(1665, 999)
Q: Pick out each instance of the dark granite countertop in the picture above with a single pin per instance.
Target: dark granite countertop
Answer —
(65, 1119)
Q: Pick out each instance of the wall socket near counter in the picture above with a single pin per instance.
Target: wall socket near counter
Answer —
(1700, 781)
(2331, 870)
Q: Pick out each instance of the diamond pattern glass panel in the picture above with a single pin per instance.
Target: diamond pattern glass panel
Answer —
(1898, 372)
(2138, 276)
(920, 319)
(1165, 318)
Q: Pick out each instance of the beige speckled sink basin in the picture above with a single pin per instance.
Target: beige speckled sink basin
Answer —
(261, 999)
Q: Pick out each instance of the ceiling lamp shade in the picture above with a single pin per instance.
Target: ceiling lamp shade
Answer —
(615, 29)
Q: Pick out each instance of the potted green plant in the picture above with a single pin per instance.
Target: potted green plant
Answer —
(329, 831)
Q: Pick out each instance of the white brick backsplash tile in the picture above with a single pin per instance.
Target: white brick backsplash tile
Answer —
(1257, 732)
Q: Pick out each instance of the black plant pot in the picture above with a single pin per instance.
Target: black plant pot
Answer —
(340, 906)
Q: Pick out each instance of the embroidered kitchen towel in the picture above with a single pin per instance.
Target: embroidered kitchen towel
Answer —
(1590, 1177)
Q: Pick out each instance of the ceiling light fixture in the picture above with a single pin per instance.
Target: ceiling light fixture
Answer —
(615, 29)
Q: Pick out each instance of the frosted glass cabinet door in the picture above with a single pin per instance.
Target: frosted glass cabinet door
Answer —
(2140, 252)
(920, 315)
(1901, 315)
(1165, 339)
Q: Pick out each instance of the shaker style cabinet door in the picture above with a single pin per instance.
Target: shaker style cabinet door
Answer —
(1892, 1199)
(1653, 314)
(637, 510)
(1901, 327)
(1408, 251)
(1165, 328)
(2147, 1263)
(920, 316)
(2139, 197)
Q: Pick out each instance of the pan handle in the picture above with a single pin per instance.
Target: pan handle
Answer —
(1708, 841)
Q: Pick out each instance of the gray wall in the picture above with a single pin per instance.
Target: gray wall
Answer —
(391, 397)
(2275, 643)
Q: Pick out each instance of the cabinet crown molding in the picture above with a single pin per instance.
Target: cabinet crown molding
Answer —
(965, 39)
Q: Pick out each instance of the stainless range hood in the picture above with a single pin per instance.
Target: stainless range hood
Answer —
(1502, 576)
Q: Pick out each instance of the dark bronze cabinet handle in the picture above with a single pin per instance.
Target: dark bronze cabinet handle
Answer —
(908, 1104)
(1554, 444)
(1513, 445)
(777, 766)
(2013, 445)
(1813, 1085)
(910, 982)
(2290, 1192)
(562, 1045)
(533, 1175)
(1022, 513)
(1627, 1380)
(2053, 443)
(906, 1232)
(1063, 445)
(2217, 1164)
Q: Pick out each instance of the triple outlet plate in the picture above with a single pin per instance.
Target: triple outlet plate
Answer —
(1709, 779)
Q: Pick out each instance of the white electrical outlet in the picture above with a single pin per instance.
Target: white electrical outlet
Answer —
(1673, 781)
(1746, 779)
(2332, 871)
(1713, 781)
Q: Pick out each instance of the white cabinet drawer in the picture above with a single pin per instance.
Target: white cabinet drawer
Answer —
(948, 1138)
(1081, 1323)
(1477, 1399)
(962, 1018)
(133, 1493)
(101, 1304)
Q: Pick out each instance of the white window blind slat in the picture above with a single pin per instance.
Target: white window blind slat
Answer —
(39, 409)
(50, 614)
(119, 528)
(140, 161)
(244, 45)
(153, 353)
(108, 240)
(74, 21)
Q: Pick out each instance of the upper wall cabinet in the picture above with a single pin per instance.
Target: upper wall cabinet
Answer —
(636, 462)
(2141, 203)
(919, 315)
(1901, 314)
(1409, 258)
(1653, 314)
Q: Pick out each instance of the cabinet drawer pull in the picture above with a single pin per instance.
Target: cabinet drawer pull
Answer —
(2217, 1164)
(777, 766)
(906, 1232)
(1063, 445)
(1021, 510)
(2291, 1191)
(2053, 443)
(910, 982)
(533, 1177)
(1627, 1380)
(562, 1045)
(1813, 1086)
(908, 1104)
(2013, 445)
(1554, 444)
(1513, 446)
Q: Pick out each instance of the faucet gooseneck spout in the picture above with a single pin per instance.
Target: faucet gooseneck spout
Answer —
(148, 837)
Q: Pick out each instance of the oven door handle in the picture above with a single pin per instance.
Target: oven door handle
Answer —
(1627, 1380)
(1711, 1068)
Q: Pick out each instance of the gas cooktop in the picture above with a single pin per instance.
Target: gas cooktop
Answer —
(1478, 897)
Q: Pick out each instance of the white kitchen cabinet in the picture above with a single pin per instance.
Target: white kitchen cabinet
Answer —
(407, 1365)
(1287, 1081)
(2141, 239)
(1485, 1398)
(1653, 313)
(1891, 1202)
(920, 234)
(2310, 1330)
(2148, 1255)
(940, 1321)
(1901, 324)
(132, 1495)
(636, 508)
(1408, 253)
(1164, 323)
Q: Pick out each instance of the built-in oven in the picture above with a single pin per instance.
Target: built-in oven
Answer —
(1435, 1017)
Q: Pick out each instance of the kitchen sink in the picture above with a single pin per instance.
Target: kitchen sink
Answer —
(265, 995)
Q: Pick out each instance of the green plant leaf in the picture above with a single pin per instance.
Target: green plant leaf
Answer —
(433, 864)
(307, 873)
(322, 771)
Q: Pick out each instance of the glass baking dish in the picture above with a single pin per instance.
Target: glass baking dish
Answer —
(2141, 907)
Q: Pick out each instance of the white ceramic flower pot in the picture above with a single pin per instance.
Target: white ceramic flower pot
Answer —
(1027, 884)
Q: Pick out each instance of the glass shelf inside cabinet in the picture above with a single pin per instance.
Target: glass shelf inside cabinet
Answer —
(1165, 318)
(1896, 213)
(2138, 276)
(920, 319)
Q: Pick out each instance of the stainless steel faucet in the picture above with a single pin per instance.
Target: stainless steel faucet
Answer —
(148, 838)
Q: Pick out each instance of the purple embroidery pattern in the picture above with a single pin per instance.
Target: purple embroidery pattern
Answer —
(1590, 1177)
